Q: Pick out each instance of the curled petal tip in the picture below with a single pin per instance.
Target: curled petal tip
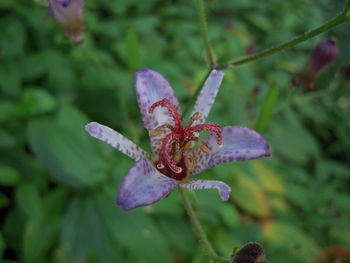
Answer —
(92, 127)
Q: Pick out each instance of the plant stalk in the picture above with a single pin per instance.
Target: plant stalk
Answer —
(203, 27)
(198, 229)
(270, 51)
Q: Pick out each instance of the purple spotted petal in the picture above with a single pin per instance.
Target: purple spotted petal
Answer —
(152, 87)
(207, 95)
(115, 139)
(223, 189)
(239, 143)
(143, 185)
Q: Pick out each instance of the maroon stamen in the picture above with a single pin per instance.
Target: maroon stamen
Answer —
(172, 110)
(172, 158)
(164, 156)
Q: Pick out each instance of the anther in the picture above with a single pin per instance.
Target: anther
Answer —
(204, 148)
(196, 116)
(189, 162)
(178, 170)
(177, 156)
(155, 132)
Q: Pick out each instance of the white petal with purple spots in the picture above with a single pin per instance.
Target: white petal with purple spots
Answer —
(207, 95)
(239, 143)
(115, 139)
(143, 185)
(223, 189)
(152, 87)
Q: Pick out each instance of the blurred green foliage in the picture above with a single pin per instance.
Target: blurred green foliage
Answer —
(58, 185)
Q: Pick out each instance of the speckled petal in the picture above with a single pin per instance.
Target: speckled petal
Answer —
(152, 87)
(207, 95)
(115, 139)
(143, 185)
(223, 189)
(239, 144)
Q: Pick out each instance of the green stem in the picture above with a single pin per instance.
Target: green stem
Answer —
(198, 229)
(267, 52)
(195, 95)
(204, 33)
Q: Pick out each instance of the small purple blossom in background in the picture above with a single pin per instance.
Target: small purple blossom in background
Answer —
(322, 55)
(176, 157)
(69, 13)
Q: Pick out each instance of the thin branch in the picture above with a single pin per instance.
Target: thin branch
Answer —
(341, 18)
(198, 229)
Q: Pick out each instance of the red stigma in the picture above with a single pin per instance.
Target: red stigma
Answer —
(175, 159)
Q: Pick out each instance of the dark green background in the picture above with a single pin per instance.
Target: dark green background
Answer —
(58, 184)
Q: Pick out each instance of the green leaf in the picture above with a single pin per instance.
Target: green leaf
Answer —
(7, 140)
(12, 37)
(10, 79)
(229, 215)
(132, 48)
(133, 230)
(9, 176)
(178, 233)
(7, 110)
(35, 101)
(268, 178)
(84, 233)
(249, 196)
(3, 202)
(64, 146)
(28, 199)
(295, 243)
(42, 231)
(267, 108)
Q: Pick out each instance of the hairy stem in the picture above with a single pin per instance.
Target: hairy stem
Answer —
(198, 229)
(267, 52)
(204, 33)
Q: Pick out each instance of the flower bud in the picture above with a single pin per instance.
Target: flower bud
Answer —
(69, 13)
(323, 54)
(250, 253)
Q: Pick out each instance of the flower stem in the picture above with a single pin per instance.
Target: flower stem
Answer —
(198, 229)
(204, 33)
(267, 52)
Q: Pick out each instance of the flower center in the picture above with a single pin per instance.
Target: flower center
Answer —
(175, 156)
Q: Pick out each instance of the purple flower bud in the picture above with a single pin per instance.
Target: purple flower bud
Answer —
(69, 13)
(345, 72)
(323, 54)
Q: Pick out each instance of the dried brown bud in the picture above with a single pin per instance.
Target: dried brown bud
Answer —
(250, 253)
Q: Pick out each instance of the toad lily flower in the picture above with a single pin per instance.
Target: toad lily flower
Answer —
(69, 13)
(178, 151)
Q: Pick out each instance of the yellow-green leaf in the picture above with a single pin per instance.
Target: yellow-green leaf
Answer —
(249, 196)
(268, 178)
